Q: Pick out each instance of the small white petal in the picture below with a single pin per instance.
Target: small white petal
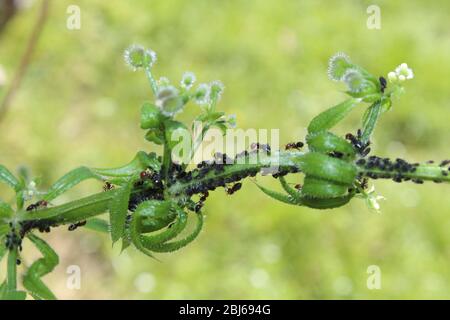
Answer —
(392, 76)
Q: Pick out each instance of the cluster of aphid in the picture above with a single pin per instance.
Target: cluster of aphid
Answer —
(398, 170)
(14, 240)
(148, 187)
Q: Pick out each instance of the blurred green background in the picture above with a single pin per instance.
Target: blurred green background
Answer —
(78, 105)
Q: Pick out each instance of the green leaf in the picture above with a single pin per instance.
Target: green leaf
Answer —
(291, 191)
(8, 178)
(150, 116)
(156, 136)
(2, 251)
(4, 229)
(326, 142)
(168, 234)
(11, 295)
(5, 210)
(370, 120)
(330, 203)
(116, 175)
(329, 118)
(319, 188)
(118, 210)
(174, 132)
(324, 167)
(98, 225)
(277, 195)
(32, 279)
(176, 245)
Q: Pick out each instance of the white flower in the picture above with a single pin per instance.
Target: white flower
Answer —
(392, 76)
(404, 70)
(401, 73)
(372, 200)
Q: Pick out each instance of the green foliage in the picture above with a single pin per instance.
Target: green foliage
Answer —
(151, 199)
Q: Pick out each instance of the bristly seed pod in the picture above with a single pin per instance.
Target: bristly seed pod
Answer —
(188, 80)
(138, 57)
(169, 101)
(338, 65)
(201, 95)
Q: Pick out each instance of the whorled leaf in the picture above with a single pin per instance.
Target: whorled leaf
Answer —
(118, 176)
(32, 279)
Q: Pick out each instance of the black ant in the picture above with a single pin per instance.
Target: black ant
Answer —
(336, 154)
(361, 148)
(74, 226)
(108, 186)
(144, 175)
(38, 205)
(235, 187)
(294, 145)
(383, 83)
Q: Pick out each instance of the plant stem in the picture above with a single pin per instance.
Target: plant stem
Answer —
(12, 270)
(424, 172)
(152, 81)
(97, 204)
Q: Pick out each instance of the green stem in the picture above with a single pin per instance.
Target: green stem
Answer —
(286, 160)
(73, 211)
(12, 270)
(424, 172)
(167, 160)
(253, 162)
(152, 81)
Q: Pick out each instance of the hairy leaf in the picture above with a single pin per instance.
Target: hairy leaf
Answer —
(32, 279)
(118, 210)
(329, 118)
